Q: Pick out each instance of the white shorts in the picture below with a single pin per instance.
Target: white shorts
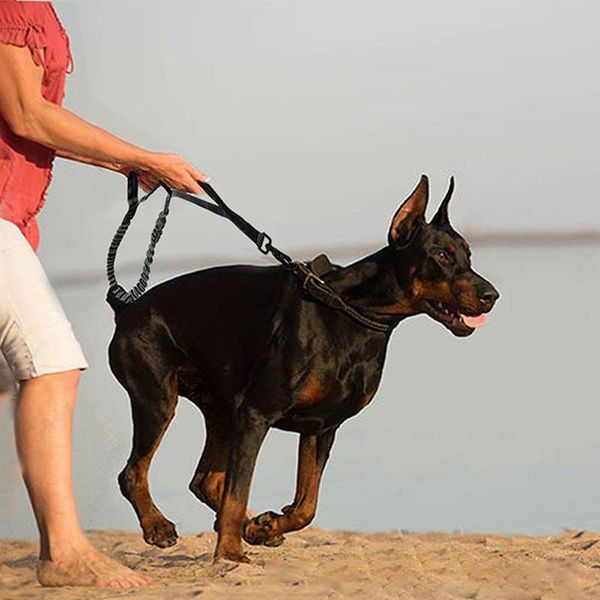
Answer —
(35, 336)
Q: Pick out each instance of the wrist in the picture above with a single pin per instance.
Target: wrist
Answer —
(138, 160)
(141, 159)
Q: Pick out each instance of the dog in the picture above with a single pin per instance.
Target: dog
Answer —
(252, 351)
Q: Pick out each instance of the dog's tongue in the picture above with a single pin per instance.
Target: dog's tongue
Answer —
(474, 322)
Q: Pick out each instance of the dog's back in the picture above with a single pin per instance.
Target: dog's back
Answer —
(215, 321)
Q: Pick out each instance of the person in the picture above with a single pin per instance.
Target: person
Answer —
(39, 353)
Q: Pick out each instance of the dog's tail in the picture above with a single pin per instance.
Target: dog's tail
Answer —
(115, 302)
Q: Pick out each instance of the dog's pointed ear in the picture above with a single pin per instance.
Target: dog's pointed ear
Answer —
(441, 217)
(410, 216)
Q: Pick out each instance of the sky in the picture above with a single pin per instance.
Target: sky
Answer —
(315, 119)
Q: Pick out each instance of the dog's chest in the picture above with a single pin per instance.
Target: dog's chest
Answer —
(332, 370)
(326, 397)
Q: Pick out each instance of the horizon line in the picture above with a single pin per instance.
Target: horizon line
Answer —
(490, 239)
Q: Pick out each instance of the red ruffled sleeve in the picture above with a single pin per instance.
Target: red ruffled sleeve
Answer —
(16, 29)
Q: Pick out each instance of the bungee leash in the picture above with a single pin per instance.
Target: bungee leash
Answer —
(309, 274)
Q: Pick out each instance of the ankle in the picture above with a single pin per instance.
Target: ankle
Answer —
(64, 547)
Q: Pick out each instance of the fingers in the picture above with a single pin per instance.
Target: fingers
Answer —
(195, 176)
(198, 175)
(147, 181)
(192, 186)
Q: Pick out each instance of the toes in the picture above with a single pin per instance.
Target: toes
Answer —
(162, 534)
(89, 567)
(259, 530)
(266, 519)
(124, 582)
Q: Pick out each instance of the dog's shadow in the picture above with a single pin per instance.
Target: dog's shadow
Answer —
(183, 560)
(27, 562)
(167, 561)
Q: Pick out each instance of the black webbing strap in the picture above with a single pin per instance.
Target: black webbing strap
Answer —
(262, 240)
(313, 285)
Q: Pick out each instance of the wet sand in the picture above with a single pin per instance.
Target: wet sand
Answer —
(336, 564)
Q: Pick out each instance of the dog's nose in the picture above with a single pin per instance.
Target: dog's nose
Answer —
(489, 296)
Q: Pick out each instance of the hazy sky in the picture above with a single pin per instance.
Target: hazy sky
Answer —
(316, 118)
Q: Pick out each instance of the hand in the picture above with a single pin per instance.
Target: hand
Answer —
(146, 180)
(172, 170)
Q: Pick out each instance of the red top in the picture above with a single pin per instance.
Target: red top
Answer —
(25, 166)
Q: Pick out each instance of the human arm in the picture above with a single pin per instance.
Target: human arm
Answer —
(31, 116)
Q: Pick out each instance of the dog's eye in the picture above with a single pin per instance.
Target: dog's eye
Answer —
(442, 256)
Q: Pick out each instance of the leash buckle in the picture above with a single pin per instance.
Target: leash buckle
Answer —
(309, 275)
(264, 242)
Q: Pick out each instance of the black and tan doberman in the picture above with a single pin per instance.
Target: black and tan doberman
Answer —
(252, 350)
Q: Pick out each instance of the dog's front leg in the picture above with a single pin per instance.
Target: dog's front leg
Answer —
(249, 432)
(268, 528)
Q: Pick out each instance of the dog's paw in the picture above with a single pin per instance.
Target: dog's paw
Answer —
(259, 530)
(161, 533)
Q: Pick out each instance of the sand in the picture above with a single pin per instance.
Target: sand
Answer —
(335, 564)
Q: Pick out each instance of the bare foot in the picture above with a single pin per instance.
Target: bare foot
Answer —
(88, 567)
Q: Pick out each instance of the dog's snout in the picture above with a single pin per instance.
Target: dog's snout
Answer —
(488, 296)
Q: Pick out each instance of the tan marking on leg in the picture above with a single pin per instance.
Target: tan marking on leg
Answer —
(231, 518)
(213, 486)
(302, 511)
(137, 478)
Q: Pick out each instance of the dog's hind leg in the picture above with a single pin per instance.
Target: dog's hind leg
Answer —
(153, 402)
(209, 479)
(268, 528)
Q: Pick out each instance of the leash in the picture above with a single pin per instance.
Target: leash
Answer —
(308, 273)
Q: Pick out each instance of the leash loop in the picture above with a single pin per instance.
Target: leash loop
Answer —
(116, 289)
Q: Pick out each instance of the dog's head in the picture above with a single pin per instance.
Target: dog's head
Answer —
(432, 263)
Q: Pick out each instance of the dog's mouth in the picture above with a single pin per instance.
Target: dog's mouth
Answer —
(459, 323)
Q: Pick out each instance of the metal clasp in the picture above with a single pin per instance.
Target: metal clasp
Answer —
(264, 242)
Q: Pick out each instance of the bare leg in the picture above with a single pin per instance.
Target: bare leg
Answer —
(43, 428)
(268, 528)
